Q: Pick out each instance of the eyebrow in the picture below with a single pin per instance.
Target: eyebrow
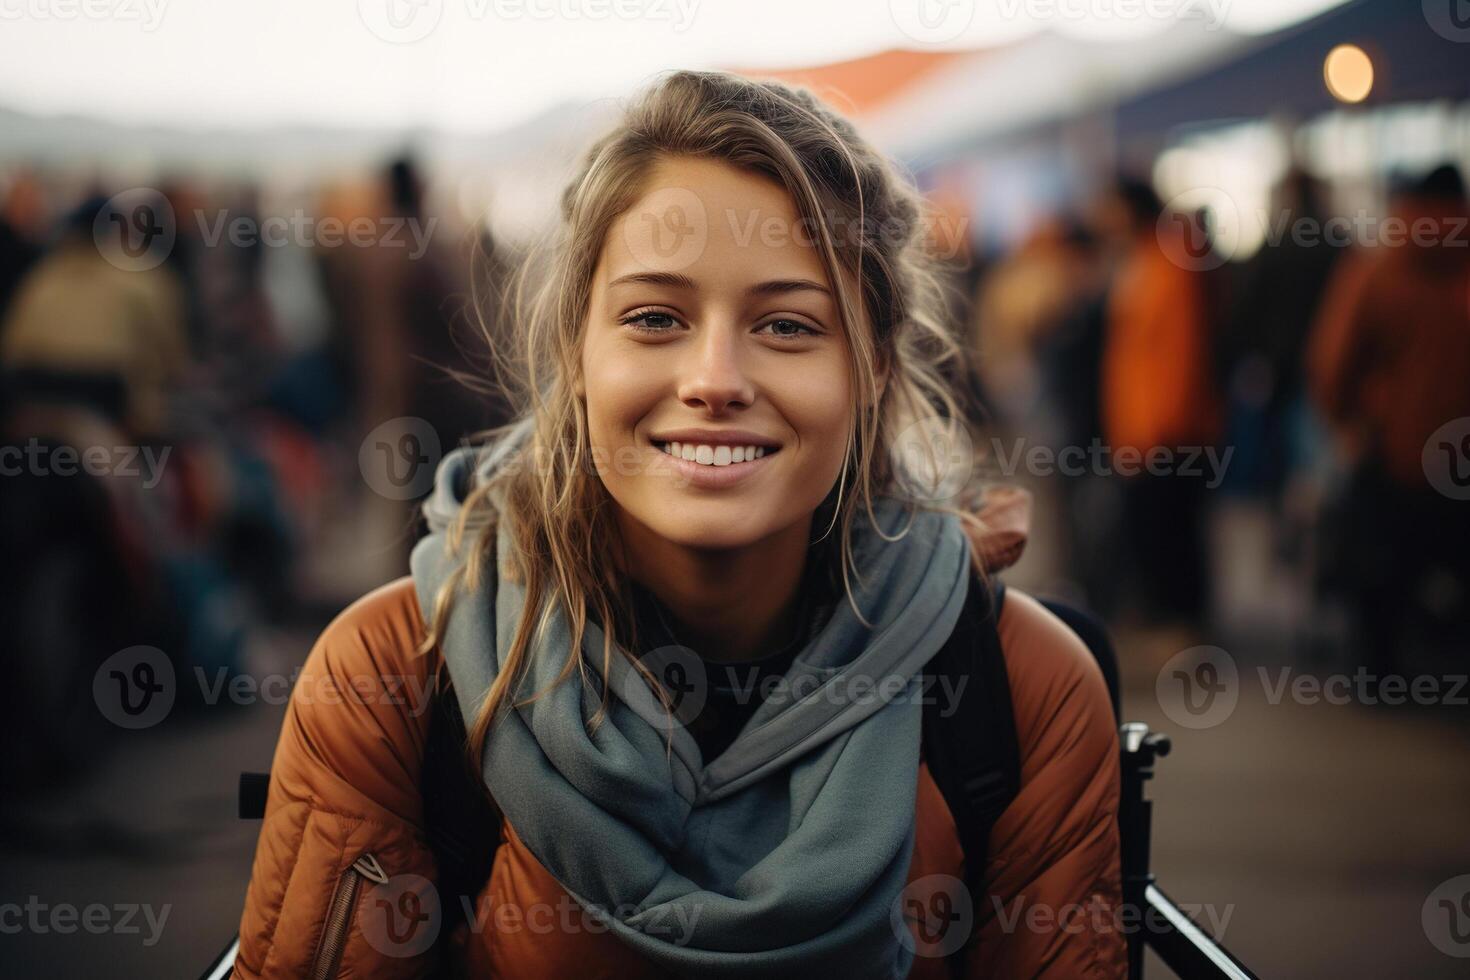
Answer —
(677, 280)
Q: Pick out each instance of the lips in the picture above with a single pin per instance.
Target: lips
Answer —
(714, 454)
(720, 468)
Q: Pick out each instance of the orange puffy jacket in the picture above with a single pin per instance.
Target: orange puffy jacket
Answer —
(1156, 372)
(341, 884)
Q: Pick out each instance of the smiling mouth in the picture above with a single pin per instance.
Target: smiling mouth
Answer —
(709, 455)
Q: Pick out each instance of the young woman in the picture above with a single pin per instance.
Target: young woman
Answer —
(684, 607)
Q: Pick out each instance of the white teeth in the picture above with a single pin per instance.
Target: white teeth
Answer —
(713, 455)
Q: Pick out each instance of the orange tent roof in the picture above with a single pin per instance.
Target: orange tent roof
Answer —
(861, 85)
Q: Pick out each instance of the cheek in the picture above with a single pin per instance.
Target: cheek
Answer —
(818, 406)
(618, 389)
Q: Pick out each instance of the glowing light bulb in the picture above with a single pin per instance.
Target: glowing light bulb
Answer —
(1348, 72)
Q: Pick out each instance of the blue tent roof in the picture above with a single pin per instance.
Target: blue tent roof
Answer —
(1412, 59)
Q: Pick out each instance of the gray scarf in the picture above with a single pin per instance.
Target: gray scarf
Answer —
(785, 853)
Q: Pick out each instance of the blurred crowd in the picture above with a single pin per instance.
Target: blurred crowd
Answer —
(208, 410)
(1324, 381)
(180, 420)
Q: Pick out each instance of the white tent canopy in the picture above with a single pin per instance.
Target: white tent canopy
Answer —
(1045, 77)
(484, 65)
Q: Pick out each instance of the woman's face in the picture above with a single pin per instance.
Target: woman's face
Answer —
(713, 332)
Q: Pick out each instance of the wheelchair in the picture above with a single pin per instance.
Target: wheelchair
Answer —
(1152, 920)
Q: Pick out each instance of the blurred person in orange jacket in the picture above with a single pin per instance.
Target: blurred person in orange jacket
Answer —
(1158, 395)
(1389, 368)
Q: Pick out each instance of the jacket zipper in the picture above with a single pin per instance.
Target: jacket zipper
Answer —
(339, 915)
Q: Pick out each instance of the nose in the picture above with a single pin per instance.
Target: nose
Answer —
(712, 377)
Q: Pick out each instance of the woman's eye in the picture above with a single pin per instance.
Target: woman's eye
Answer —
(650, 322)
(790, 328)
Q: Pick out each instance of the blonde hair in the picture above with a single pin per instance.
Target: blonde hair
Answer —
(868, 224)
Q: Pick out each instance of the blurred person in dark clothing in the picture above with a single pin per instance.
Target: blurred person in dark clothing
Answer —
(1389, 367)
(401, 348)
(21, 217)
(1262, 349)
(1158, 395)
(90, 355)
(1071, 351)
(365, 352)
(188, 205)
(401, 342)
(1021, 299)
(1037, 331)
(439, 338)
(1069, 356)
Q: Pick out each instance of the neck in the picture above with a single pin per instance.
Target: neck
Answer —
(728, 604)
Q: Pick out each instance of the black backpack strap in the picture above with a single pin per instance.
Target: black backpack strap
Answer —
(461, 820)
(971, 747)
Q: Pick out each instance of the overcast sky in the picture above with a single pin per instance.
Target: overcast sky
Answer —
(485, 64)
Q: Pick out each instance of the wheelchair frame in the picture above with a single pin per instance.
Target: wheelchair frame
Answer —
(1184, 945)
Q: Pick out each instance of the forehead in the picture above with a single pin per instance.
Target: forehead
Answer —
(716, 223)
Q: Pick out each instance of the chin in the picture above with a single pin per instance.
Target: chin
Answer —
(713, 524)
